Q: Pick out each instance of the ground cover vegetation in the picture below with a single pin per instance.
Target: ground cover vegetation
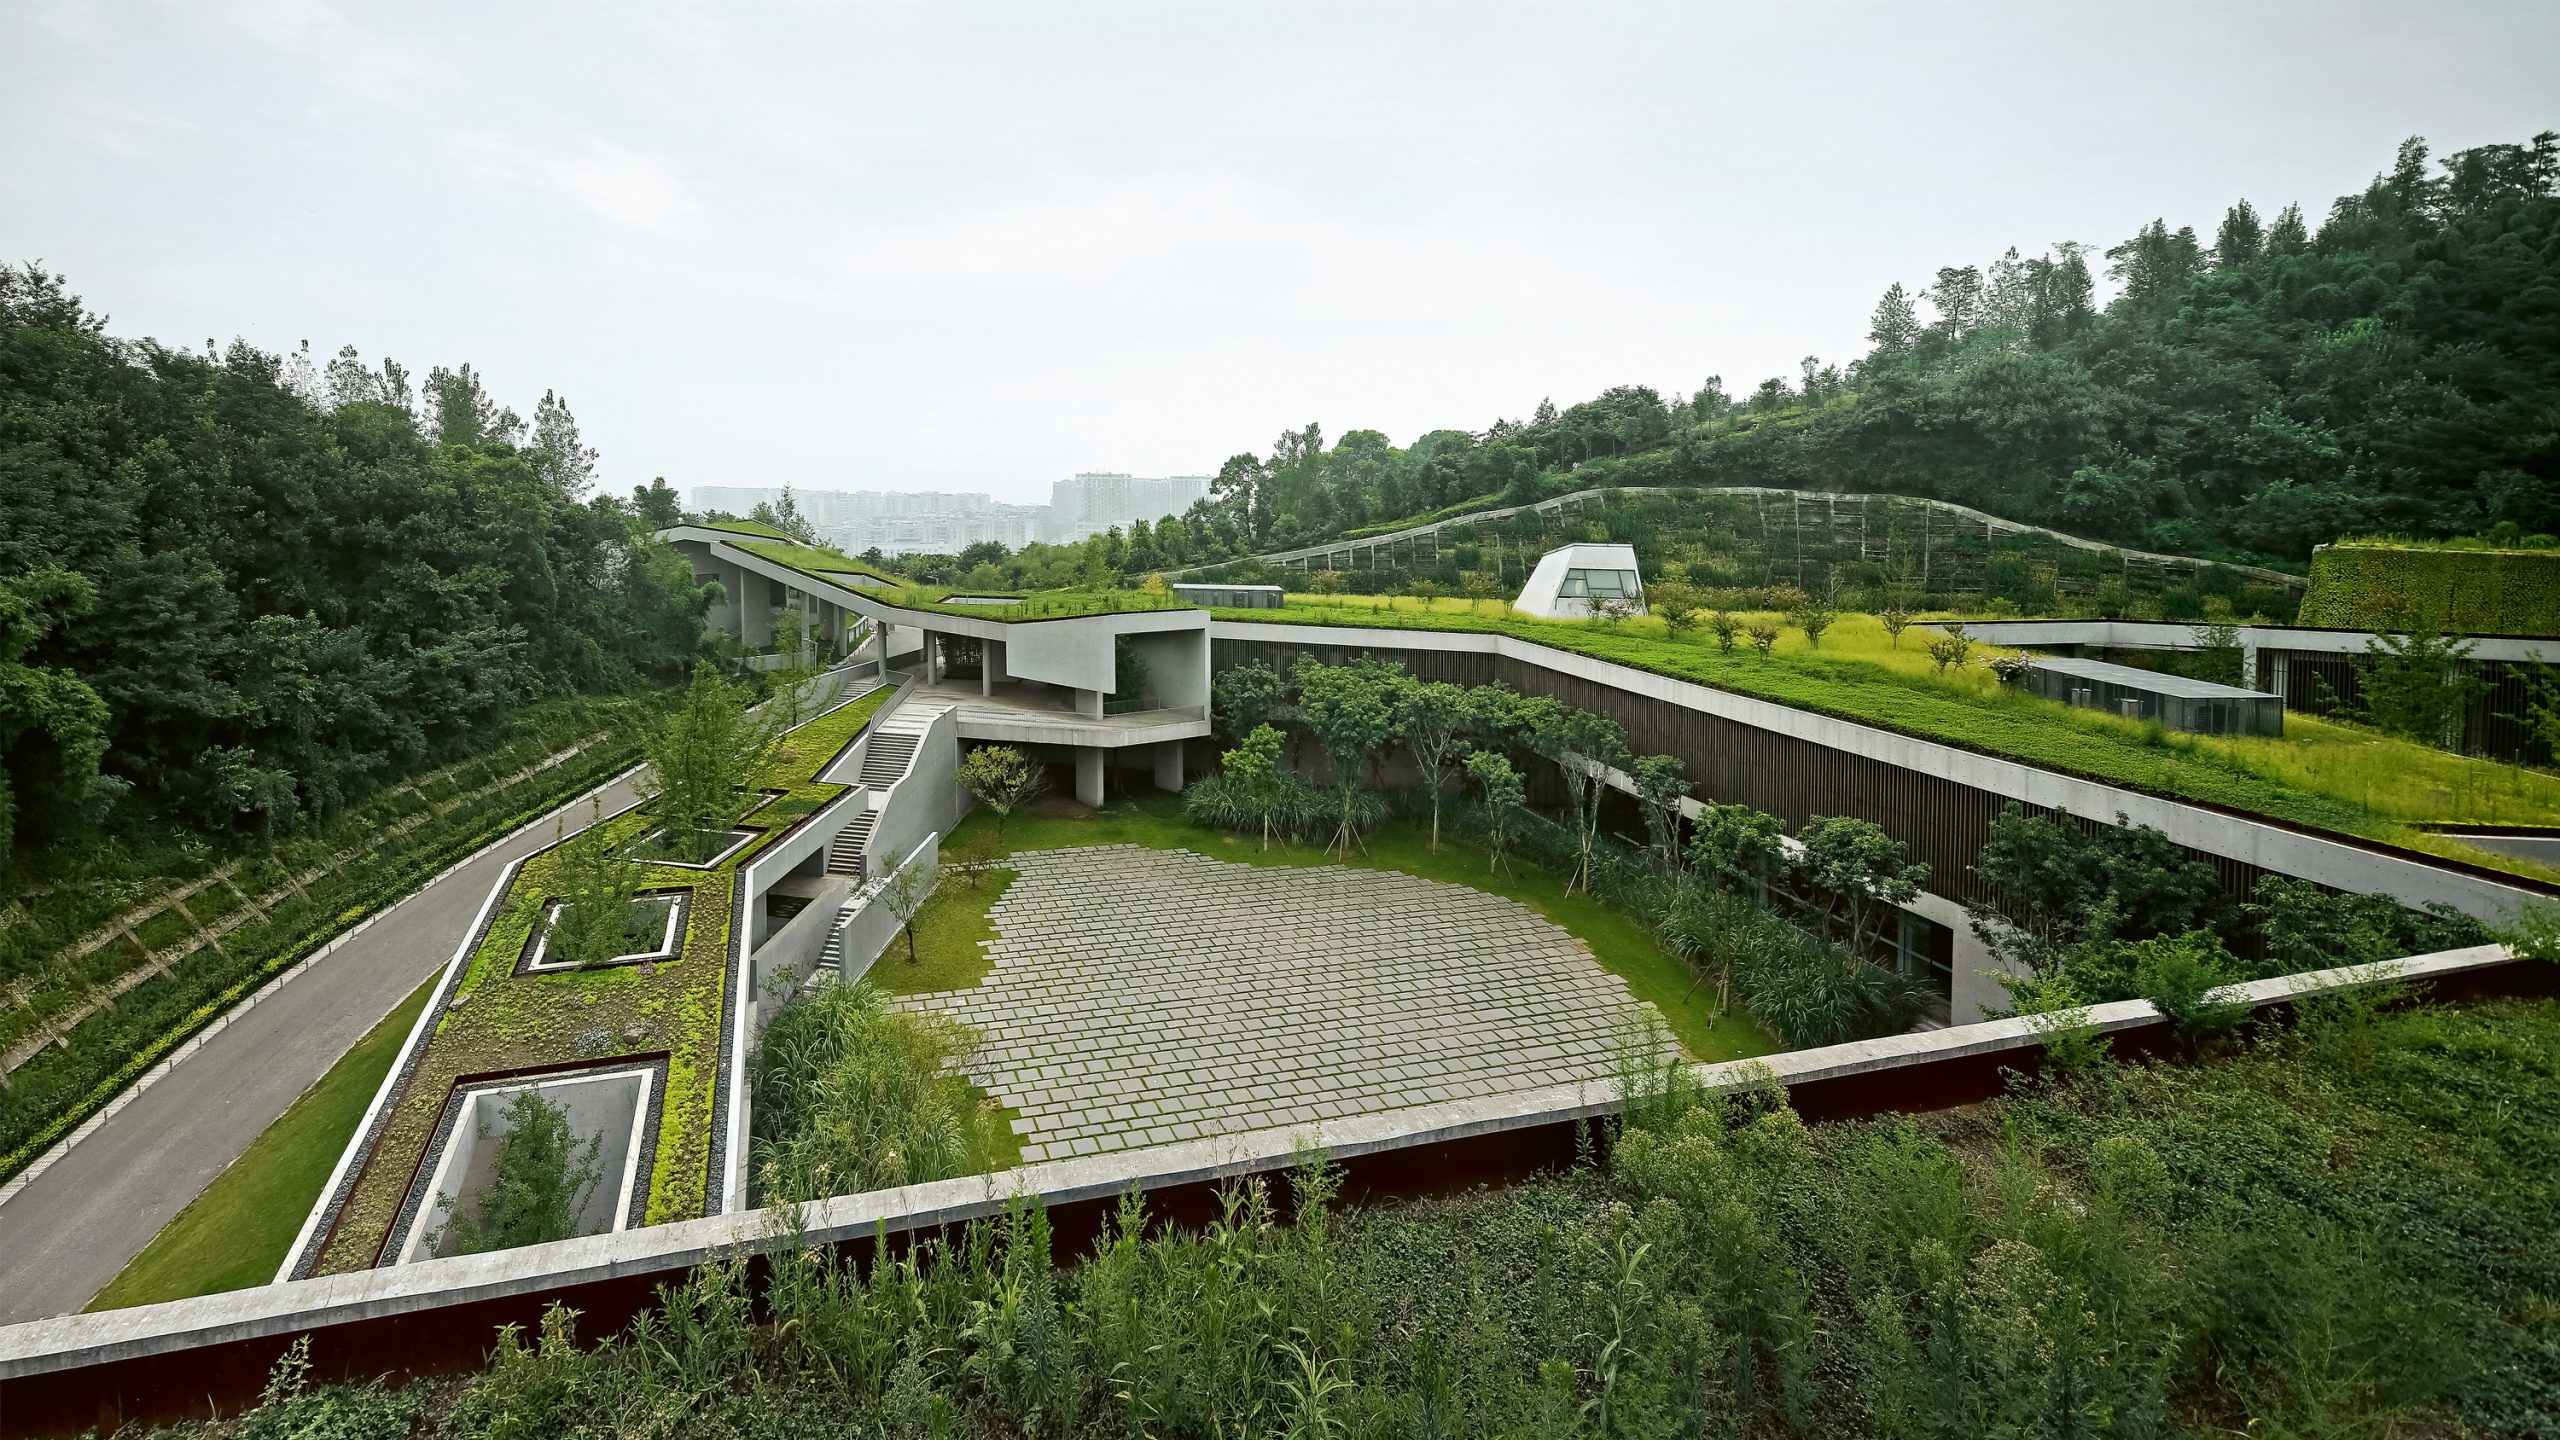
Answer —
(1089, 590)
(112, 967)
(1467, 750)
(2351, 778)
(502, 1020)
(238, 1232)
(2340, 1230)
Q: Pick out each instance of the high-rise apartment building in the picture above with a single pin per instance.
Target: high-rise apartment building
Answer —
(1097, 500)
(941, 522)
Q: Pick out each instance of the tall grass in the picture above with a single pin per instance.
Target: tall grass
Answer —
(852, 1094)
(2305, 1238)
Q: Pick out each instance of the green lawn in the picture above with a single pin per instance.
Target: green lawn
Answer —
(236, 1233)
(1625, 947)
(948, 955)
(2320, 775)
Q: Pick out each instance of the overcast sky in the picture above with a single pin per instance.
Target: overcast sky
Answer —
(943, 247)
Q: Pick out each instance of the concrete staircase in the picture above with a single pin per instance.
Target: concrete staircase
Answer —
(831, 955)
(886, 758)
(845, 852)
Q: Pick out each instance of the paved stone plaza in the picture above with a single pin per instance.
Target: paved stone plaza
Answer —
(1144, 996)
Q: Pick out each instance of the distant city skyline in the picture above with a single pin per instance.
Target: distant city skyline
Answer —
(946, 521)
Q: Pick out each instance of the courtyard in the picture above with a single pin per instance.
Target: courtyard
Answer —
(1139, 996)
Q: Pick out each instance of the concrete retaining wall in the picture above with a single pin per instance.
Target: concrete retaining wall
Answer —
(874, 927)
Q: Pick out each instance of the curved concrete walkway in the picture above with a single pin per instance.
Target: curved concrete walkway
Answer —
(72, 1228)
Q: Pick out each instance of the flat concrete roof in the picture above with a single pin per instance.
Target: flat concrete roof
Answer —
(2157, 682)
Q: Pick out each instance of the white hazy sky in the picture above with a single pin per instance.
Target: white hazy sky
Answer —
(983, 247)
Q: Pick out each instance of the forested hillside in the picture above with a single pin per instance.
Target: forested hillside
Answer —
(238, 589)
(2256, 386)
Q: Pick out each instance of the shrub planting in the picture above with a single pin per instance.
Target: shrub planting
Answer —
(2301, 1238)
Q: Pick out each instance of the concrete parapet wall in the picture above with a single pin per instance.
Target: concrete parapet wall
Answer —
(67, 1374)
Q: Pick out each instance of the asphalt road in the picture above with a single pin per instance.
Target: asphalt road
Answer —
(71, 1229)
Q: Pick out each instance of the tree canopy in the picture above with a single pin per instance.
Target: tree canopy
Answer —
(2251, 396)
(300, 580)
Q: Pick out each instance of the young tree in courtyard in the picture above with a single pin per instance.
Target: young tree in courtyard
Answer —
(594, 884)
(1247, 697)
(700, 761)
(1504, 796)
(1862, 873)
(904, 894)
(1255, 769)
(1738, 848)
(1433, 718)
(1002, 779)
(538, 1185)
(1578, 743)
(1350, 711)
(1661, 785)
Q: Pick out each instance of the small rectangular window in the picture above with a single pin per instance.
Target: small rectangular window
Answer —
(1576, 585)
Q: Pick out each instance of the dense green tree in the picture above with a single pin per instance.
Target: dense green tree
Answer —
(2251, 399)
(298, 595)
(53, 727)
(540, 1180)
(656, 504)
(1351, 712)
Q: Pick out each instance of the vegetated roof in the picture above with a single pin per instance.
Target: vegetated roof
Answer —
(823, 561)
(820, 562)
(741, 527)
(498, 1020)
(2319, 775)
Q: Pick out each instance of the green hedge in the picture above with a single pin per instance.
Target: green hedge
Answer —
(2470, 592)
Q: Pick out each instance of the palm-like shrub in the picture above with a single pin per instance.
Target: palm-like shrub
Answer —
(852, 1094)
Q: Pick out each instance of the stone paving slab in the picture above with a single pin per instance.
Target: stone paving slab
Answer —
(1139, 997)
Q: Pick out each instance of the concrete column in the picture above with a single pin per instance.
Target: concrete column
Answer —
(1089, 774)
(1089, 704)
(1169, 765)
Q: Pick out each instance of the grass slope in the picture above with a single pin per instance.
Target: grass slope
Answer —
(1622, 946)
(2321, 775)
(236, 1233)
